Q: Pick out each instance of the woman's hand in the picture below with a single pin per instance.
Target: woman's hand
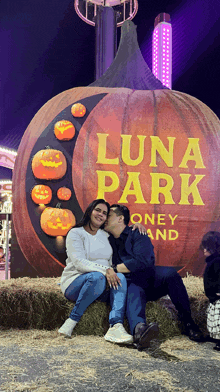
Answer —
(218, 294)
(112, 278)
(142, 229)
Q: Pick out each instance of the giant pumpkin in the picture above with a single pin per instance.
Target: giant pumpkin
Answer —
(157, 151)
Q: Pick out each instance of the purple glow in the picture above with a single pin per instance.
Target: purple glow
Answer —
(162, 53)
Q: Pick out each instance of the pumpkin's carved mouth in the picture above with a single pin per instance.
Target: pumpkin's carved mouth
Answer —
(63, 128)
(50, 164)
(41, 197)
(58, 225)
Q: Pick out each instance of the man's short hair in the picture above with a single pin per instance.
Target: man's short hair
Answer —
(122, 210)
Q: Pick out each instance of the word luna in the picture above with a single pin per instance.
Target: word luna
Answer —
(133, 185)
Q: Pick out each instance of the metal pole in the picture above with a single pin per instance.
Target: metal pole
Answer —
(106, 43)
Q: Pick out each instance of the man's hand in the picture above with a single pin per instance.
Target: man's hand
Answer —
(140, 227)
(112, 278)
(122, 268)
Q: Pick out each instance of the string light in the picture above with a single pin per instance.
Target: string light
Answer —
(8, 151)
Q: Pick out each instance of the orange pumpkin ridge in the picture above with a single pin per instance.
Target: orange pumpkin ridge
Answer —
(162, 114)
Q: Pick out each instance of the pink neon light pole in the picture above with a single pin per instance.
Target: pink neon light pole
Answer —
(162, 49)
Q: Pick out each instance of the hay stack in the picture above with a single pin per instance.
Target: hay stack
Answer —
(39, 303)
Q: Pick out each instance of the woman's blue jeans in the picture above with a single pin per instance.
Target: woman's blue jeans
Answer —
(91, 286)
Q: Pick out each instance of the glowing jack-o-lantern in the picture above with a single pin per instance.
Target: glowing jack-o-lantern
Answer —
(64, 193)
(78, 110)
(41, 194)
(64, 130)
(49, 164)
(57, 221)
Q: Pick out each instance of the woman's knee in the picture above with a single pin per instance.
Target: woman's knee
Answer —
(121, 276)
(122, 279)
(97, 278)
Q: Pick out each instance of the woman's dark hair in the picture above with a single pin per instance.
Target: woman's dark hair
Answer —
(87, 215)
(122, 210)
(211, 242)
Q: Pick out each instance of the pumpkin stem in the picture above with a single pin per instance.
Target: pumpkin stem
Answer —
(58, 205)
(129, 68)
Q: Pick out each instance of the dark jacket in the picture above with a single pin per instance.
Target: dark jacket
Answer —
(137, 255)
(212, 277)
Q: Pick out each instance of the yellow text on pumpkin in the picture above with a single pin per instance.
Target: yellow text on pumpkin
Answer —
(189, 183)
(157, 219)
(192, 153)
(133, 187)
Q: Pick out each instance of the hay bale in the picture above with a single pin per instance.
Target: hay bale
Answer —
(31, 303)
(39, 303)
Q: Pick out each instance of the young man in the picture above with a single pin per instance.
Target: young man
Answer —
(133, 255)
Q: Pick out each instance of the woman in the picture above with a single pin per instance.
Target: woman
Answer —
(88, 267)
(211, 247)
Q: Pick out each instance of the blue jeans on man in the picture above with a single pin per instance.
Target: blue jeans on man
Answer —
(166, 282)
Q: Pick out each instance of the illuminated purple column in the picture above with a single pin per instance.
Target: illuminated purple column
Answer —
(162, 49)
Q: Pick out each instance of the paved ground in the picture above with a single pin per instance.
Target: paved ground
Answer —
(42, 361)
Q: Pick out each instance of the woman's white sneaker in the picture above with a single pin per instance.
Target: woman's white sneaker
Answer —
(67, 328)
(117, 334)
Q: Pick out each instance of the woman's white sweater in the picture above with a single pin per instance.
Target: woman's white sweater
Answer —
(86, 253)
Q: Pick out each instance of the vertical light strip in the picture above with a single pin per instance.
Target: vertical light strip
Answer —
(162, 53)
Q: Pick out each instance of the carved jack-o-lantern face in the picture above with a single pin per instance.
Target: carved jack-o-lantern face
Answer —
(41, 194)
(64, 193)
(57, 221)
(49, 164)
(78, 110)
(64, 130)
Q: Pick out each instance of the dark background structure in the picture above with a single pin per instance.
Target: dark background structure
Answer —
(46, 49)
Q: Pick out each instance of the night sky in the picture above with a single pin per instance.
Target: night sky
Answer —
(46, 49)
